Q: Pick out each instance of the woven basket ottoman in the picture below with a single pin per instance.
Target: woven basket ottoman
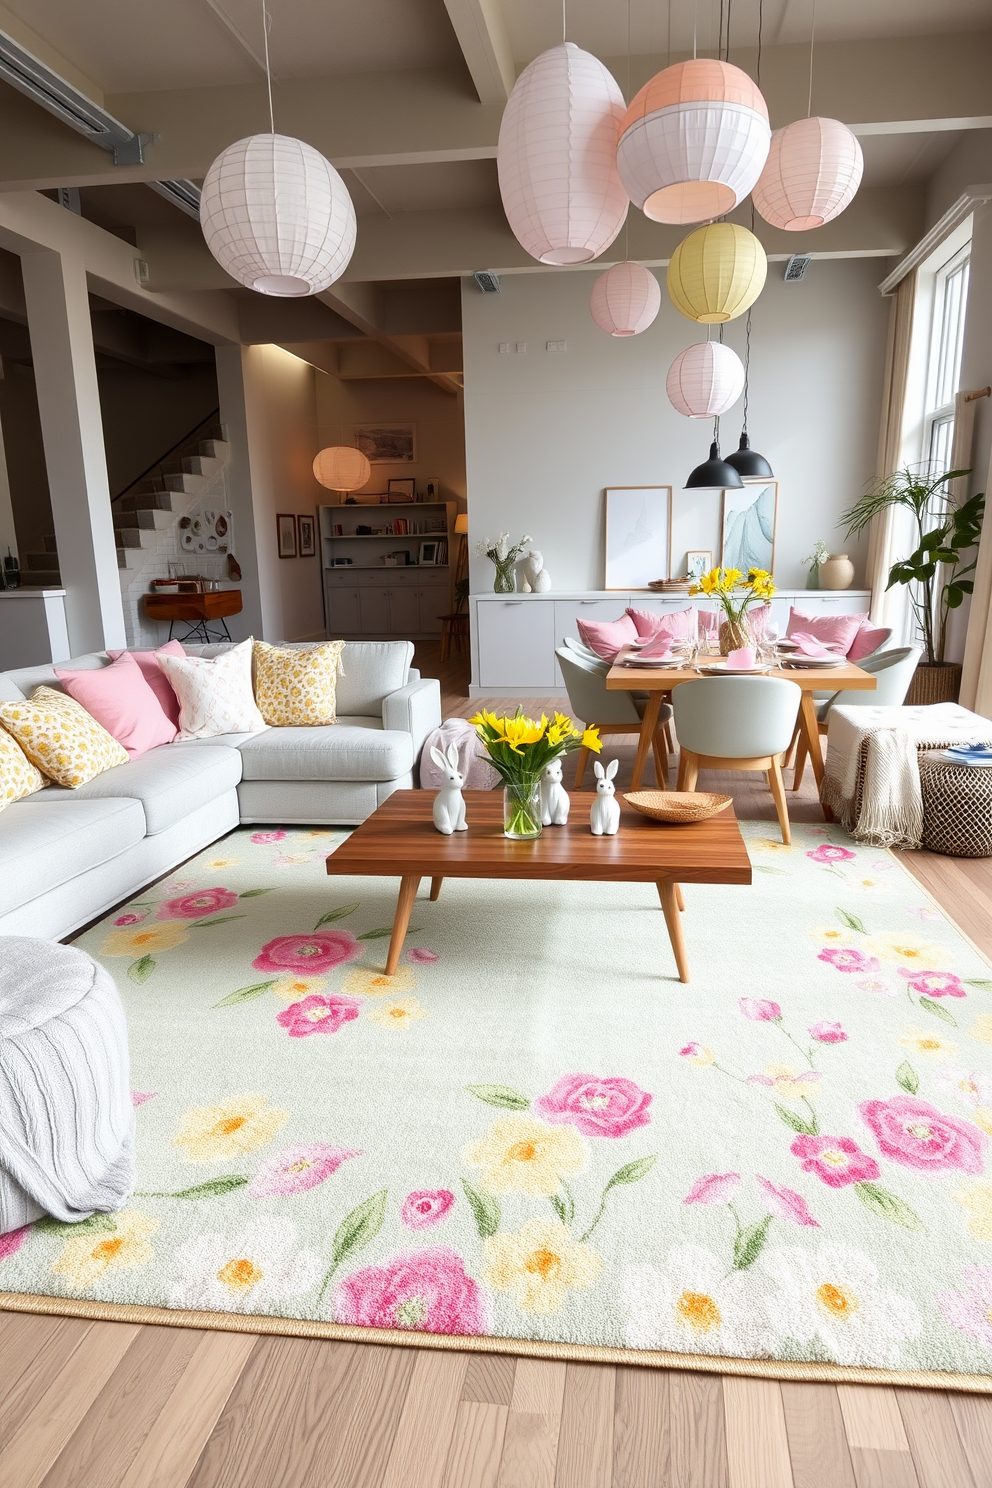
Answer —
(957, 807)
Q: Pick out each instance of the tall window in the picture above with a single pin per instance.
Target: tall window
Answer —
(950, 302)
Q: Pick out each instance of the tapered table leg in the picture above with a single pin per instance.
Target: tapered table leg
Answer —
(436, 889)
(649, 724)
(679, 897)
(668, 894)
(404, 905)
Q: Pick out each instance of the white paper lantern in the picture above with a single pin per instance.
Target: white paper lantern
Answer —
(277, 216)
(556, 157)
(812, 173)
(693, 141)
(705, 380)
(625, 300)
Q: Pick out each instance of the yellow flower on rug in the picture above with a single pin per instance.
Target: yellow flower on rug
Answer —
(976, 1200)
(981, 1029)
(367, 981)
(831, 935)
(521, 1155)
(144, 939)
(926, 1044)
(294, 989)
(85, 1258)
(789, 1081)
(399, 1014)
(902, 948)
(222, 863)
(539, 1264)
(237, 1125)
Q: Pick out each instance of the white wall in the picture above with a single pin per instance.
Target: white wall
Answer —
(546, 432)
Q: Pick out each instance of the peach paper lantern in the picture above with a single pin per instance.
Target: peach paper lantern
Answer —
(556, 157)
(625, 300)
(693, 141)
(705, 380)
(342, 468)
(812, 173)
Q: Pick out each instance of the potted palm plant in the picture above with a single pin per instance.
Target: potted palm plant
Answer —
(946, 534)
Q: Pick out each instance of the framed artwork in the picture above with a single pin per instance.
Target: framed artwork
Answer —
(698, 561)
(387, 444)
(306, 536)
(748, 526)
(401, 488)
(432, 488)
(428, 552)
(638, 535)
(286, 534)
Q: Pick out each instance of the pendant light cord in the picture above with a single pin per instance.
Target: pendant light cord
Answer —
(812, 34)
(564, 36)
(747, 366)
(266, 23)
(761, 17)
(730, 6)
(626, 220)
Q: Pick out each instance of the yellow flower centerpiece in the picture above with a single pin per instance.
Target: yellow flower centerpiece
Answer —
(735, 594)
(520, 748)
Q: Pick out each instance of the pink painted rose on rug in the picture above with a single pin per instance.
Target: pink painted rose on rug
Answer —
(713, 1188)
(296, 1169)
(759, 1010)
(913, 1132)
(313, 953)
(933, 983)
(424, 1291)
(263, 839)
(11, 1243)
(420, 955)
(827, 854)
(836, 1161)
(785, 1203)
(426, 1207)
(971, 1311)
(608, 1107)
(844, 958)
(138, 1097)
(318, 1015)
(133, 917)
(193, 906)
(828, 1033)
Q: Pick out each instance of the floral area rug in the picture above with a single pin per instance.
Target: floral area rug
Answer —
(533, 1133)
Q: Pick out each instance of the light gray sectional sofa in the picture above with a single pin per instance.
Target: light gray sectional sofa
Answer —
(66, 856)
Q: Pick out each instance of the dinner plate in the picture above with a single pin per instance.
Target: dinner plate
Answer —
(721, 669)
(658, 661)
(815, 661)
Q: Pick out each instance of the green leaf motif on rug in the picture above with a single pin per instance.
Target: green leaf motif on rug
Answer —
(254, 893)
(907, 1077)
(798, 1123)
(245, 994)
(485, 1211)
(632, 1172)
(851, 921)
(214, 1188)
(140, 971)
(335, 914)
(938, 1012)
(750, 1243)
(208, 924)
(888, 1206)
(503, 1096)
(981, 982)
(386, 930)
(97, 1224)
(360, 1227)
(761, 868)
(564, 1206)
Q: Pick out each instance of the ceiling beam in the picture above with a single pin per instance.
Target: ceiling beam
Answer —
(481, 30)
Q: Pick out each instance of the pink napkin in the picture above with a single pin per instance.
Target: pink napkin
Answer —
(810, 645)
(741, 659)
(658, 649)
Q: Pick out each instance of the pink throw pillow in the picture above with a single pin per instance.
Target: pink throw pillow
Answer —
(606, 637)
(156, 678)
(120, 699)
(835, 631)
(869, 638)
(678, 625)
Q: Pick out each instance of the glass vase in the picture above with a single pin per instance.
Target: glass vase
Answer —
(522, 811)
(734, 634)
(504, 580)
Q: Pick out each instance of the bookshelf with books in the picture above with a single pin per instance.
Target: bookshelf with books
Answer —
(386, 568)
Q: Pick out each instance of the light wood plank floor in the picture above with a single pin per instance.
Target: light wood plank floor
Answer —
(106, 1405)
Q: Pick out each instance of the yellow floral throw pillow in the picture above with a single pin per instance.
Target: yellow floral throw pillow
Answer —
(18, 776)
(297, 687)
(61, 738)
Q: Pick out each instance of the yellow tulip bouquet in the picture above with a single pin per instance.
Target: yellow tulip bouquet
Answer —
(519, 748)
(735, 594)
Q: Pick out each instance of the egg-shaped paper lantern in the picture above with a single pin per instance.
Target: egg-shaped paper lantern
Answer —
(813, 170)
(705, 380)
(341, 467)
(556, 157)
(277, 216)
(716, 272)
(625, 299)
(693, 141)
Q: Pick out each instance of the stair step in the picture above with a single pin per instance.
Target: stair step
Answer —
(41, 578)
(128, 557)
(146, 517)
(217, 448)
(202, 464)
(157, 500)
(184, 480)
(132, 537)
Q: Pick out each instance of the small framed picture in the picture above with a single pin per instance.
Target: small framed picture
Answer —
(401, 488)
(428, 552)
(432, 489)
(698, 561)
(286, 534)
(306, 536)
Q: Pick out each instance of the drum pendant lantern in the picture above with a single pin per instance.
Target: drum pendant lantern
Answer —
(341, 467)
(812, 173)
(693, 141)
(716, 273)
(556, 157)
(705, 380)
(625, 300)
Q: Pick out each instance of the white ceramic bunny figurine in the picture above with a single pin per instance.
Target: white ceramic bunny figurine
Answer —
(604, 818)
(554, 797)
(449, 803)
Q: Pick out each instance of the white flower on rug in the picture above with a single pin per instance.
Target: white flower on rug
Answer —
(832, 1297)
(539, 1264)
(974, 1087)
(694, 1307)
(521, 1155)
(247, 1272)
(903, 948)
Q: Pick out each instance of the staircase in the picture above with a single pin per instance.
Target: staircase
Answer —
(154, 504)
(42, 569)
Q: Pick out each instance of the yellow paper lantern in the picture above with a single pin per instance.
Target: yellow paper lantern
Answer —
(342, 468)
(717, 272)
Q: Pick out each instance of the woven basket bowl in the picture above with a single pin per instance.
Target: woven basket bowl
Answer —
(678, 807)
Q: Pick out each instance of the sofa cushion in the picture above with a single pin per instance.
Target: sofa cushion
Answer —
(371, 670)
(120, 698)
(47, 839)
(60, 738)
(169, 782)
(355, 748)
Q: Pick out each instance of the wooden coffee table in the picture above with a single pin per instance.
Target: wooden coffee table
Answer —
(399, 840)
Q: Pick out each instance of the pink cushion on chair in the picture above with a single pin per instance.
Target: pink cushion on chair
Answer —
(606, 637)
(156, 678)
(120, 699)
(870, 638)
(678, 625)
(835, 631)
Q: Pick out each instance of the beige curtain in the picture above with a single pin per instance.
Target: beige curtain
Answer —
(976, 674)
(889, 533)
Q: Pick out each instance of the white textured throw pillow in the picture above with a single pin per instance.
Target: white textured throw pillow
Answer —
(215, 693)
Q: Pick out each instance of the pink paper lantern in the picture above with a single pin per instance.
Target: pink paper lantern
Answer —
(625, 300)
(705, 380)
(556, 157)
(813, 170)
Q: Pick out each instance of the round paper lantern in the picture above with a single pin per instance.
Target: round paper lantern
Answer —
(342, 468)
(693, 141)
(716, 272)
(625, 300)
(705, 380)
(277, 216)
(813, 170)
(556, 157)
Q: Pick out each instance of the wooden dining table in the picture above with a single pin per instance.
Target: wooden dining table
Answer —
(657, 681)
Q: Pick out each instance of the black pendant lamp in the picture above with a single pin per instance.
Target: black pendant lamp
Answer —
(745, 460)
(714, 474)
